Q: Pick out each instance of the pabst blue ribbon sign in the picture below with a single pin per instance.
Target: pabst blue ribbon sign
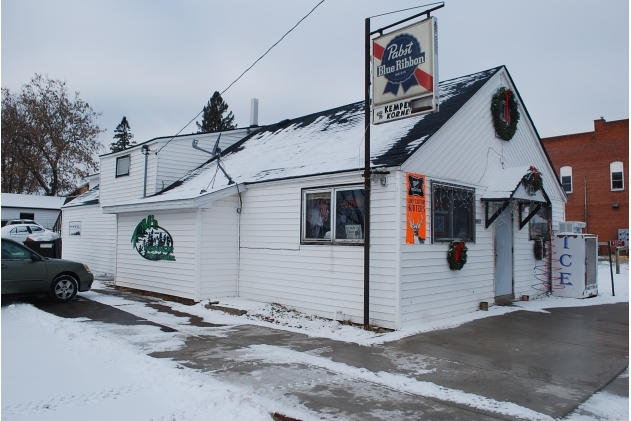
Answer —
(405, 72)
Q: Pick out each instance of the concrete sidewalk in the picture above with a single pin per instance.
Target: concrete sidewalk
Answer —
(548, 363)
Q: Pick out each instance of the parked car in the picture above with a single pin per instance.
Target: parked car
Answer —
(19, 232)
(25, 272)
(22, 221)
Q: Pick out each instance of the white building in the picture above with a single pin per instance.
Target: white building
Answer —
(290, 228)
(89, 235)
(43, 209)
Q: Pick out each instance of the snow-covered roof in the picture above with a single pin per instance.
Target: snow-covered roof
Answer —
(91, 197)
(507, 185)
(12, 200)
(325, 142)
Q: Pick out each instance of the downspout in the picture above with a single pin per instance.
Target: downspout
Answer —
(198, 255)
(239, 238)
(145, 152)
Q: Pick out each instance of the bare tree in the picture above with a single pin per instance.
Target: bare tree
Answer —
(49, 141)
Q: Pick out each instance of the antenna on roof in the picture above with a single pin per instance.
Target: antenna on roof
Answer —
(216, 153)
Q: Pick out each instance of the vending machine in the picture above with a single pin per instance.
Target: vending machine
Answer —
(574, 265)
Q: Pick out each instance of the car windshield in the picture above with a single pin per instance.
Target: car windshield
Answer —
(12, 251)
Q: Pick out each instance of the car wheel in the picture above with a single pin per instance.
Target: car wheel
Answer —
(64, 288)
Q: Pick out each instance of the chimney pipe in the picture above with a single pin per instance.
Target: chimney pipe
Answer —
(254, 112)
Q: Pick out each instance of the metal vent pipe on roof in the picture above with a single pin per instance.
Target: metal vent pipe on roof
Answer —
(254, 112)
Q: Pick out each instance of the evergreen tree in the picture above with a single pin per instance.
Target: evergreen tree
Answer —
(213, 119)
(123, 137)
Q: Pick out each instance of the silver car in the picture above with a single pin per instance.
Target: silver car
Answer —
(20, 232)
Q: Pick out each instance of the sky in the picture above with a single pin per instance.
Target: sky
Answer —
(158, 62)
(113, 377)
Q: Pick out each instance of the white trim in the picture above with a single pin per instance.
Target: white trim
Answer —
(203, 202)
(198, 255)
(616, 166)
(116, 250)
(566, 171)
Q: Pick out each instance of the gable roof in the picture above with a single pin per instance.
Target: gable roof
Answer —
(13, 200)
(90, 197)
(330, 141)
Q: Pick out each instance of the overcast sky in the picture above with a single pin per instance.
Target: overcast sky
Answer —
(157, 62)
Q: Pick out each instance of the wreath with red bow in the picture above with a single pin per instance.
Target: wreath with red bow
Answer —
(457, 255)
(532, 181)
(505, 113)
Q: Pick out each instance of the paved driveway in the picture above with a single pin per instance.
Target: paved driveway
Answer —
(546, 363)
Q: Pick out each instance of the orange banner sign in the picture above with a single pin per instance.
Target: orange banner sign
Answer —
(415, 204)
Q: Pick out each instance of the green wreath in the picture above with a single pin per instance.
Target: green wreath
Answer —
(532, 181)
(457, 255)
(498, 103)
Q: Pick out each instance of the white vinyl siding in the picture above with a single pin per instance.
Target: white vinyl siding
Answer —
(219, 248)
(173, 162)
(318, 279)
(177, 277)
(465, 151)
(96, 244)
(44, 217)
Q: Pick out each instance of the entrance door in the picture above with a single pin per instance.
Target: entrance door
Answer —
(504, 254)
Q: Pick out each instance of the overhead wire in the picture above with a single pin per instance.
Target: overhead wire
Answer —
(246, 70)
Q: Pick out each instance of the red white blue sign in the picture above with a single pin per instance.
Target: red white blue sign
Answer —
(405, 72)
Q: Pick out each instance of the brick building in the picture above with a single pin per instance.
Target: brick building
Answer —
(593, 169)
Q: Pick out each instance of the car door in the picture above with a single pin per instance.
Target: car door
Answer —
(21, 273)
(19, 233)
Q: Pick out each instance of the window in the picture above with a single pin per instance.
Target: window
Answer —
(20, 230)
(24, 215)
(333, 215)
(12, 251)
(566, 179)
(538, 226)
(122, 165)
(453, 212)
(617, 175)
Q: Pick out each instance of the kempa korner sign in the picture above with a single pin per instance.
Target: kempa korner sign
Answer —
(405, 72)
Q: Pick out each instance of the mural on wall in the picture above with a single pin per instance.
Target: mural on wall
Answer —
(415, 202)
(152, 241)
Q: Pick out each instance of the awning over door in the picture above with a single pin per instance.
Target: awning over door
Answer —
(508, 186)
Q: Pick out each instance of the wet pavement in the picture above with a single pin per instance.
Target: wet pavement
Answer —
(548, 363)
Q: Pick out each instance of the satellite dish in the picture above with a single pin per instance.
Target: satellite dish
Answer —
(216, 148)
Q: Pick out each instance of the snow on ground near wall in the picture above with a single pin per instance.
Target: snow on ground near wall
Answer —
(264, 314)
(109, 376)
(66, 369)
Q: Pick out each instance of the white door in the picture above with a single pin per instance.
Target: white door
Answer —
(504, 254)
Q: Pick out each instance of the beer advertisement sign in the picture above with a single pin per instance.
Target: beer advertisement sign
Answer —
(405, 72)
(415, 204)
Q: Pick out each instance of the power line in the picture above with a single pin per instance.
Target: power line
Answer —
(246, 70)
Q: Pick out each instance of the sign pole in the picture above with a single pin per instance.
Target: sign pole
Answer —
(613, 292)
(367, 177)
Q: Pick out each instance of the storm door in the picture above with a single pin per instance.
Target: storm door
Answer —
(504, 254)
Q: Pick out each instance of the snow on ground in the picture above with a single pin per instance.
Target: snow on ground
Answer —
(603, 406)
(277, 316)
(64, 369)
(59, 369)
